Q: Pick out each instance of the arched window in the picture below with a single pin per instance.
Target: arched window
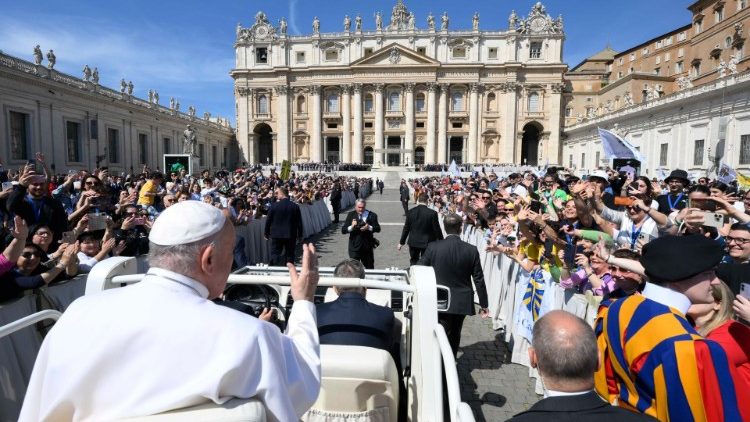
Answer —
(262, 104)
(368, 155)
(394, 101)
(533, 105)
(332, 103)
(457, 101)
(419, 103)
(491, 103)
(418, 155)
(368, 103)
(301, 104)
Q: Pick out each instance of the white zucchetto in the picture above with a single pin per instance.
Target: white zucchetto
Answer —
(186, 222)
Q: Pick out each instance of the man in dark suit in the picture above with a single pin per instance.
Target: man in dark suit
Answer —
(360, 225)
(336, 201)
(455, 263)
(351, 319)
(283, 227)
(422, 227)
(403, 191)
(564, 351)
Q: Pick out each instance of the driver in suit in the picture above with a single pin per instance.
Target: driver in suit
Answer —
(351, 319)
(360, 225)
(455, 263)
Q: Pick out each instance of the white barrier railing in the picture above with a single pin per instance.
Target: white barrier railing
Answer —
(28, 321)
(503, 278)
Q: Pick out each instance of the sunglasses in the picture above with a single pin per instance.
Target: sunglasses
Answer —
(29, 255)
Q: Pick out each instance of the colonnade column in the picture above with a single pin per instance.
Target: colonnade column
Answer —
(379, 121)
(346, 91)
(442, 141)
(409, 115)
(315, 136)
(357, 147)
(473, 122)
(282, 140)
(429, 155)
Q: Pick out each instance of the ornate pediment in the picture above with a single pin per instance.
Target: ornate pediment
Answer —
(395, 54)
(261, 31)
(538, 22)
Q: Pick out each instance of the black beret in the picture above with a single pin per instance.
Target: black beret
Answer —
(676, 258)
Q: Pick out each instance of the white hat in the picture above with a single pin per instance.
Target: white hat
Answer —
(601, 174)
(186, 222)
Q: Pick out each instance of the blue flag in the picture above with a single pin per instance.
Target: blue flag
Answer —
(616, 147)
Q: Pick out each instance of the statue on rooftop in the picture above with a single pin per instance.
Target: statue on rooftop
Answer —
(358, 23)
(282, 26)
(130, 88)
(86, 73)
(412, 21)
(378, 21)
(37, 55)
(150, 96)
(95, 76)
(430, 22)
(444, 22)
(123, 86)
(171, 103)
(512, 20)
(347, 23)
(156, 98)
(51, 59)
(316, 25)
(475, 22)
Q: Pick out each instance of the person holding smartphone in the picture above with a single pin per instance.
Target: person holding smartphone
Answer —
(29, 200)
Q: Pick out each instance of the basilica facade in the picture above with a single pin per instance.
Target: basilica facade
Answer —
(401, 94)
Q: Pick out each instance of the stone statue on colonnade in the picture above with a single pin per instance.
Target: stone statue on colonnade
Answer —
(95, 76)
(358, 23)
(86, 73)
(52, 59)
(37, 55)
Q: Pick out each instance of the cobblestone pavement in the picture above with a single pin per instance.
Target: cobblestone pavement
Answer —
(494, 388)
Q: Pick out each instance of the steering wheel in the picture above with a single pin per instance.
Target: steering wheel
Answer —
(251, 298)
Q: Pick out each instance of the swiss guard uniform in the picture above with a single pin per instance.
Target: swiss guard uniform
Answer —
(653, 361)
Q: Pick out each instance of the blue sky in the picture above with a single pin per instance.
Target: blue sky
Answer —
(184, 48)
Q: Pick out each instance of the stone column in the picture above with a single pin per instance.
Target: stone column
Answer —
(509, 139)
(553, 147)
(346, 91)
(315, 135)
(409, 117)
(357, 147)
(442, 138)
(429, 153)
(403, 154)
(243, 127)
(379, 121)
(473, 122)
(281, 151)
(252, 150)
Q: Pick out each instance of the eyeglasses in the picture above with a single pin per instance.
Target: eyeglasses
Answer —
(486, 197)
(30, 255)
(740, 241)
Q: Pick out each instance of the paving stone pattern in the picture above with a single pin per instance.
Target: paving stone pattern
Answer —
(494, 388)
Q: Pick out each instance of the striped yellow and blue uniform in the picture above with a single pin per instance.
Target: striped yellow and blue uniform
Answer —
(654, 362)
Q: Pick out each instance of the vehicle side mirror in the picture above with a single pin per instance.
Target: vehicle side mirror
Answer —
(443, 298)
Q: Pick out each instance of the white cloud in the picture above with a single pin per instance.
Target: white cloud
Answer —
(146, 54)
(293, 17)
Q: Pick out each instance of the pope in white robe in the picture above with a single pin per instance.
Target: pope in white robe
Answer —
(161, 345)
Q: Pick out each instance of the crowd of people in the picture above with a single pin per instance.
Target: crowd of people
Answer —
(669, 260)
(56, 226)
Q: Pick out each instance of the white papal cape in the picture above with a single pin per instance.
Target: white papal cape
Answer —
(161, 345)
